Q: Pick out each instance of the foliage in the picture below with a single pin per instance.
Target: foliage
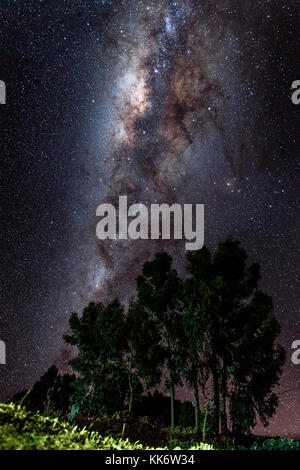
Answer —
(99, 335)
(214, 329)
(159, 290)
(185, 414)
(262, 443)
(281, 443)
(142, 355)
(155, 406)
(116, 352)
(196, 325)
(50, 395)
(236, 333)
(24, 430)
(21, 429)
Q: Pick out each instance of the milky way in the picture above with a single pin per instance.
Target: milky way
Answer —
(165, 101)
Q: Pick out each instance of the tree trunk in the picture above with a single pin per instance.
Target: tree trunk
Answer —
(172, 403)
(204, 426)
(130, 383)
(223, 395)
(196, 395)
(216, 394)
(130, 396)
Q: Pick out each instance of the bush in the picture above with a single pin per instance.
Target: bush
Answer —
(280, 443)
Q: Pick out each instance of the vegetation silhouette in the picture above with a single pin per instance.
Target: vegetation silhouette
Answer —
(213, 331)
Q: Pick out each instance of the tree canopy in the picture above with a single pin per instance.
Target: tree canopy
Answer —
(213, 331)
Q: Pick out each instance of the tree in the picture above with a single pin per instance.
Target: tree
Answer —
(100, 338)
(196, 323)
(60, 395)
(159, 292)
(40, 393)
(240, 330)
(52, 388)
(216, 324)
(143, 356)
(258, 365)
(117, 352)
(234, 284)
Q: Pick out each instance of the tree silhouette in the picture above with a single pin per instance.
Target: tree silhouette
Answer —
(159, 292)
(214, 327)
(241, 330)
(50, 388)
(101, 341)
(195, 339)
(257, 366)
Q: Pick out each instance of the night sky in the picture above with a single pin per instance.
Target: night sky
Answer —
(164, 101)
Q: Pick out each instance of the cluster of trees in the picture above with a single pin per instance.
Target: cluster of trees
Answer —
(51, 394)
(211, 330)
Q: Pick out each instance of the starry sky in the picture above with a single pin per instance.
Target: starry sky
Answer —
(162, 101)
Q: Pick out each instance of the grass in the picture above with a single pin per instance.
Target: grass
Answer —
(21, 429)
